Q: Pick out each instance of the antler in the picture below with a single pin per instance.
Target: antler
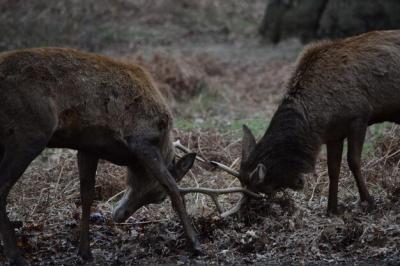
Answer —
(221, 166)
(179, 146)
(225, 168)
(236, 208)
(214, 193)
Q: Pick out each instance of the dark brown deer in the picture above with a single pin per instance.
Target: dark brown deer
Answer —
(63, 98)
(338, 89)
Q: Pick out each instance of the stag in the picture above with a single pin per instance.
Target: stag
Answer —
(337, 90)
(104, 109)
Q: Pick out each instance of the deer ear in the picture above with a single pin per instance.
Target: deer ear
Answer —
(183, 166)
(258, 175)
(248, 143)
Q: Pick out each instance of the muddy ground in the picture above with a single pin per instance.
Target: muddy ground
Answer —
(217, 74)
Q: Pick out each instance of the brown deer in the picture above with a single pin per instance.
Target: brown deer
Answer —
(63, 98)
(338, 89)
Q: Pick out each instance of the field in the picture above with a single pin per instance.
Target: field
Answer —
(217, 74)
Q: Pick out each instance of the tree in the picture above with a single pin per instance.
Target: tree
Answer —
(315, 19)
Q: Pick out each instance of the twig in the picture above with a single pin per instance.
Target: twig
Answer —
(315, 187)
(59, 176)
(234, 162)
(144, 222)
(37, 204)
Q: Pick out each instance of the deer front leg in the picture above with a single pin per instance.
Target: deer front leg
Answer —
(356, 139)
(335, 151)
(16, 158)
(87, 165)
(151, 159)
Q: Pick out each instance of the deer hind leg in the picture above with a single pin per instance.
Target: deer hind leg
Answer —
(335, 151)
(356, 139)
(16, 158)
(151, 159)
(87, 165)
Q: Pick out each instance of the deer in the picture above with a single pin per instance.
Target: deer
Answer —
(105, 109)
(337, 90)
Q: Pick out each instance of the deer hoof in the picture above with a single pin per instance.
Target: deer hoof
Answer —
(196, 248)
(368, 204)
(332, 212)
(338, 210)
(85, 254)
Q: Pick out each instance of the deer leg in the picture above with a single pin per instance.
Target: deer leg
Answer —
(335, 151)
(356, 139)
(87, 165)
(153, 162)
(16, 158)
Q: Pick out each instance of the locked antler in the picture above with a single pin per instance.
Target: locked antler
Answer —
(214, 193)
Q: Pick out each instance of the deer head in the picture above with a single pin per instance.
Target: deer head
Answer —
(260, 175)
(142, 191)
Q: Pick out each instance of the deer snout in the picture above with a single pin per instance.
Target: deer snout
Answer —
(125, 207)
(120, 215)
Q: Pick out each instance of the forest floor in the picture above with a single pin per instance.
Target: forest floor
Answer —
(208, 60)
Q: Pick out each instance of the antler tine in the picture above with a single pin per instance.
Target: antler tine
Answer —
(219, 191)
(178, 145)
(214, 193)
(236, 208)
(221, 166)
(225, 168)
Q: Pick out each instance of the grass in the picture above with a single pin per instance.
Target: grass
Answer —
(257, 125)
(209, 111)
(376, 132)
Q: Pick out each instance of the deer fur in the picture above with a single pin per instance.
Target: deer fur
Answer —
(337, 90)
(63, 98)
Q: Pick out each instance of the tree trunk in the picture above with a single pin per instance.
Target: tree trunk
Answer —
(315, 19)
